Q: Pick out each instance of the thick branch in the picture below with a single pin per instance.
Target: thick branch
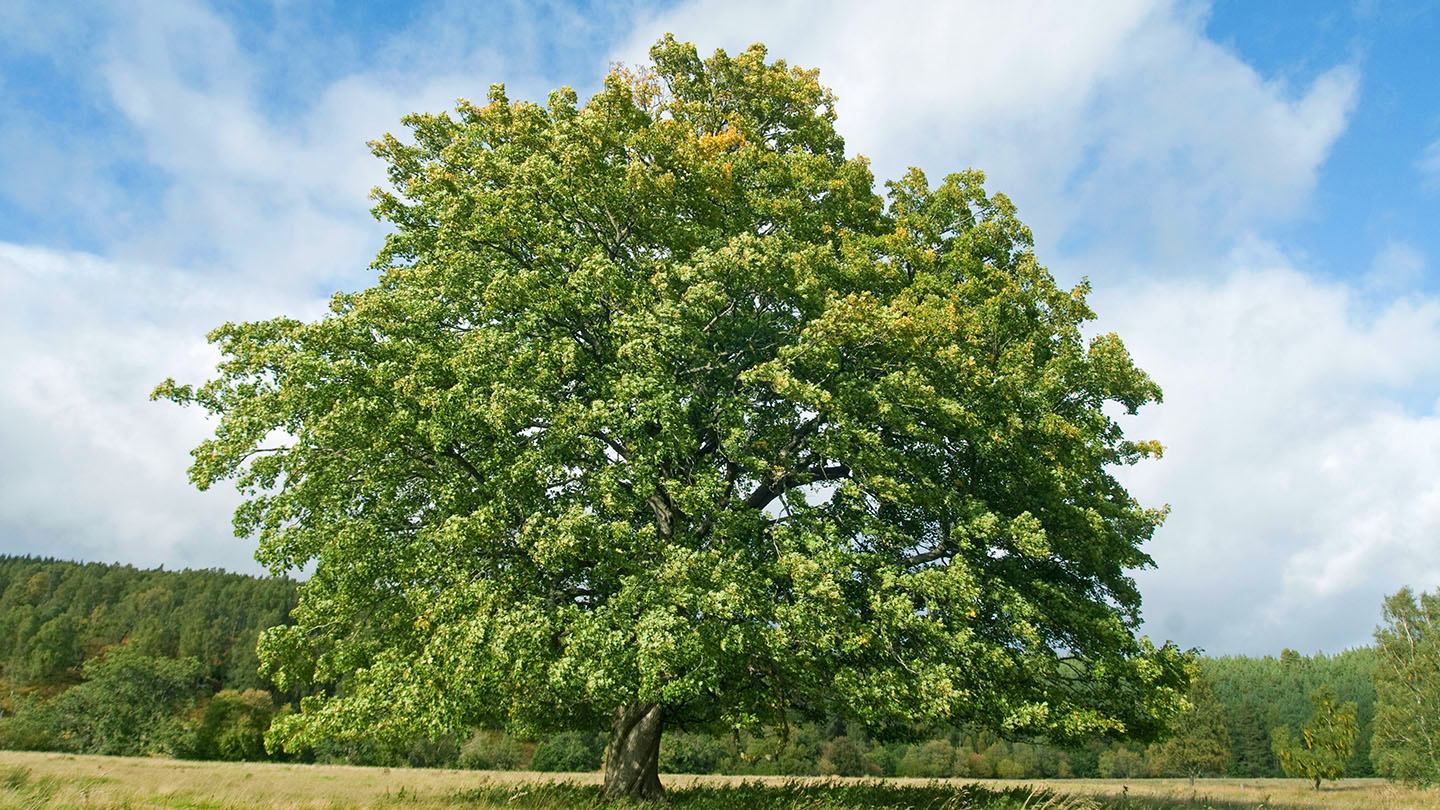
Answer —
(769, 491)
(452, 453)
(665, 513)
(929, 556)
(614, 444)
(943, 548)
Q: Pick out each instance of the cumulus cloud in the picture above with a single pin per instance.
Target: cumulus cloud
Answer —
(1119, 128)
(249, 209)
(278, 195)
(246, 168)
(93, 470)
(1302, 455)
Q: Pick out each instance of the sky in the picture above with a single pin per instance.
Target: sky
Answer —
(1252, 189)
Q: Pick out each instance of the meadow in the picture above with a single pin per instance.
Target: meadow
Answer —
(37, 781)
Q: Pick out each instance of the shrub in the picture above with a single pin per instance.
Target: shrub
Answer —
(432, 752)
(1028, 759)
(363, 751)
(842, 757)
(930, 760)
(1121, 763)
(231, 726)
(881, 760)
(1010, 768)
(568, 751)
(130, 704)
(33, 727)
(681, 752)
(495, 751)
(975, 766)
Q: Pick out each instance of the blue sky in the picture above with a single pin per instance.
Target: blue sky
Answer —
(1251, 187)
(1368, 194)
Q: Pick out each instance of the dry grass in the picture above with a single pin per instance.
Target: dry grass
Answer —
(1251, 794)
(38, 781)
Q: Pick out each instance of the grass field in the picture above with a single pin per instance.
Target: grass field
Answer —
(35, 781)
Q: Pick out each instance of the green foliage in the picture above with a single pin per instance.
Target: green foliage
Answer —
(684, 752)
(1253, 693)
(231, 726)
(656, 401)
(440, 751)
(798, 751)
(55, 615)
(1261, 693)
(842, 756)
(495, 751)
(882, 760)
(62, 624)
(1200, 744)
(1325, 743)
(975, 766)
(1120, 762)
(130, 704)
(1407, 685)
(929, 760)
(569, 751)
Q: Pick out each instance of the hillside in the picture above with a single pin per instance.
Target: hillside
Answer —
(113, 659)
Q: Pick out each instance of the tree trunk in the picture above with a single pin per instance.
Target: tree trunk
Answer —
(632, 761)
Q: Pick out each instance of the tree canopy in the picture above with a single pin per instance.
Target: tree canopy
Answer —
(1407, 685)
(659, 414)
(1200, 744)
(1326, 741)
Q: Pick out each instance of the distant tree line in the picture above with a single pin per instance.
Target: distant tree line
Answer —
(111, 659)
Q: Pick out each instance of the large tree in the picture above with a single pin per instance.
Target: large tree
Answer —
(1407, 688)
(660, 415)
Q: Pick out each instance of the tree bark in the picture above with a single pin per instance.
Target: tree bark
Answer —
(632, 760)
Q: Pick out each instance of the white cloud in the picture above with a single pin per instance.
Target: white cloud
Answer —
(1116, 126)
(1429, 166)
(239, 181)
(93, 470)
(263, 210)
(1302, 453)
(282, 198)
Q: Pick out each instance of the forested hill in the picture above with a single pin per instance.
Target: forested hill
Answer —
(54, 615)
(118, 660)
(1259, 694)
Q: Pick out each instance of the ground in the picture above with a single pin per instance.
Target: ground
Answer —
(37, 780)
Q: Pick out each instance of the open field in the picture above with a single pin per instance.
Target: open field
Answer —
(37, 780)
